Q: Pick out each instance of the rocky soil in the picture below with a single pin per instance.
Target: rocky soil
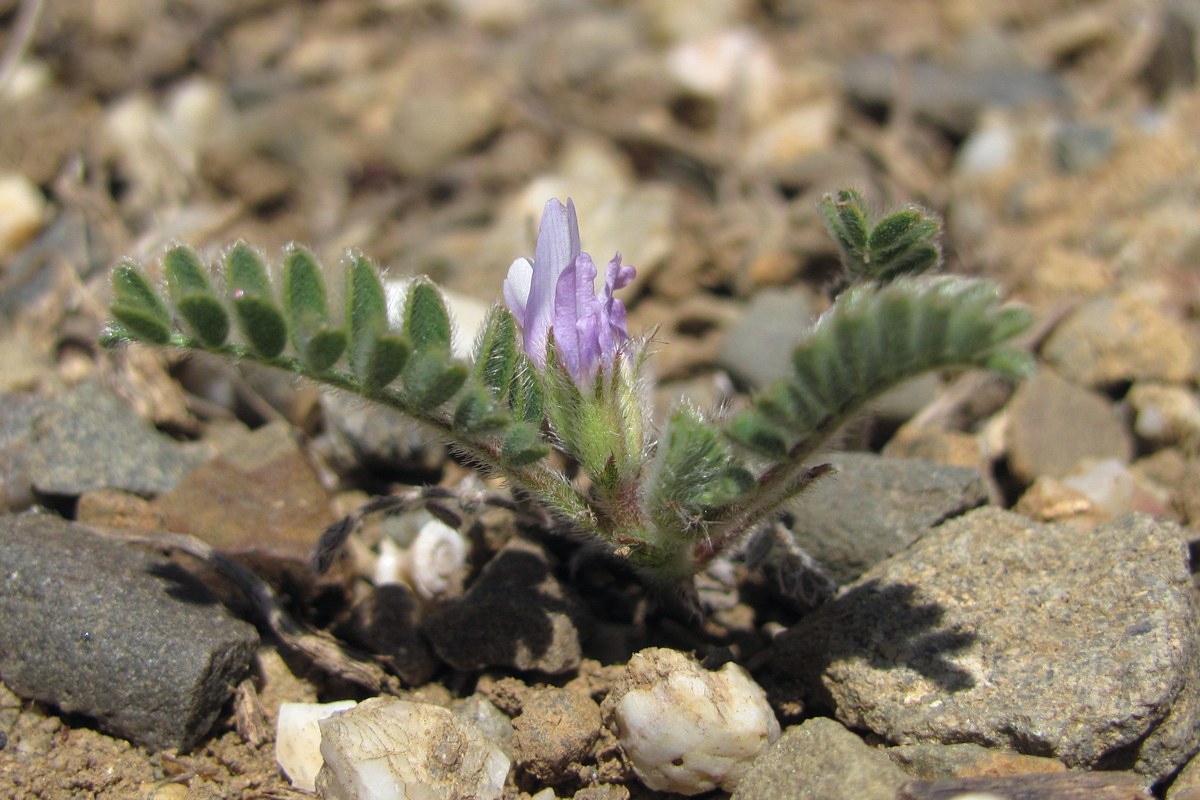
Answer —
(995, 591)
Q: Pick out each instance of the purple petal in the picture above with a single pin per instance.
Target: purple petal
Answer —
(611, 331)
(576, 310)
(557, 247)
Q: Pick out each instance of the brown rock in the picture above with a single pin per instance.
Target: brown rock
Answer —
(555, 728)
(261, 494)
(1054, 424)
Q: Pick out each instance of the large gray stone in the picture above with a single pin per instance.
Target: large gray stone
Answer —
(821, 760)
(757, 349)
(116, 632)
(88, 438)
(993, 629)
(874, 507)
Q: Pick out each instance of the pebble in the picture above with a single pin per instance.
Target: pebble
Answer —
(874, 507)
(1079, 147)
(991, 148)
(733, 65)
(794, 135)
(390, 748)
(1054, 423)
(298, 740)
(1122, 337)
(22, 212)
(821, 760)
(516, 614)
(685, 729)
(1165, 414)
(116, 632)
(758, 346)
(88, 438)
(953, 98)
(1108, 785)
(434, 104)
(966, 760)
(261, 493)
(556, 727)
(1078, 645)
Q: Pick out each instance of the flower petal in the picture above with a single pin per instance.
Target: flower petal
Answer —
(557, 247)
(576, 311)
(516, 288)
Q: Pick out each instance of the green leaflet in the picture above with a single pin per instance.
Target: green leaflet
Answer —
(426, 321)
(496, 352)
(376, 357)
(193, 296)
(306, 310)
(138, 308)
(250, 293)
(694, 473)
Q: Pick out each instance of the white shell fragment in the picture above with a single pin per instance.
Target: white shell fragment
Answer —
(391, 748)
(425, 553)
(298, 740)
(686, 729)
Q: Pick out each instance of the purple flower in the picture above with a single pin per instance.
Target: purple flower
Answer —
(557, 290)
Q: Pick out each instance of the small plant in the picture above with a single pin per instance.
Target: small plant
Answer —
(556, 368)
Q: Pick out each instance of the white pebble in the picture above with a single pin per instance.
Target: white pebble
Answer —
(298, 740)
(22, 209)
(391, 748)
(686, 729)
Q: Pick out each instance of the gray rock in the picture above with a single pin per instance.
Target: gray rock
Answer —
(18, 413)
(87, 438)
(821, 760)
(951, 98)
(1079, 147)
(1064, 786)
(931, 762)
(1054, 424)
(1118, 338)
(757, 350)
(874, 507)
(1082, 646)
(516, 614)
(116, 632)
(363, 435)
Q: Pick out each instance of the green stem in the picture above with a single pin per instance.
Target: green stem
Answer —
(546, 483)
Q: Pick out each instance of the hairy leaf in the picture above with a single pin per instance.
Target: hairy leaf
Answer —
(193, 296)
(426, 321)
(259, 319)
(138, 308)
(496, 351)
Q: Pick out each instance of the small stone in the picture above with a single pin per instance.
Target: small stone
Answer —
(390, 748)
(517, 614)
(88, 439)
(298, 740)
(722, 63)
(821, 760)
(556, 727)
(1165, 414)
(945, 447)
(1079, 147)
(936, 761)
(758, 347)
(1066, 786)
(685, 729)
(1079, 645)
(260, 494)
(22, 212)
(990, 148)
(873, 507)
(435, 104)
(1113, 489)
(1053, 424)
(796, 134)
(1123, 337)
(122, 634)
